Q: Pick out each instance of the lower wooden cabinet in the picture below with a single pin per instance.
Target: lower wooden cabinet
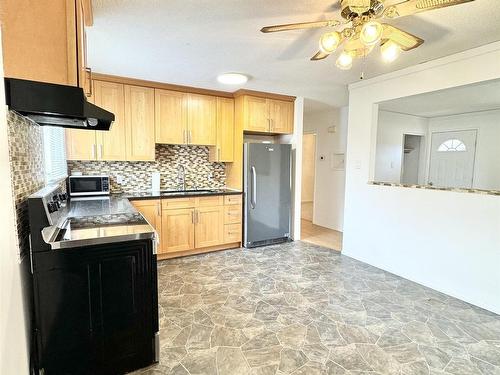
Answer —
(177, 230)
(209, 226)
(151, 210)
(192, 224)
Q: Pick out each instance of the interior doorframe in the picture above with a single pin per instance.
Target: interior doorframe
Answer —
(315, 133)
(451, 130)
(423, 148)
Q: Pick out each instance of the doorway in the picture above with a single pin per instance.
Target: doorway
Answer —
(308, 175)
(411, 167)
(452, 159)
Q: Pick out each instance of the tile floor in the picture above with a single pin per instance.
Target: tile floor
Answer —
(321, 236)
(302, 309)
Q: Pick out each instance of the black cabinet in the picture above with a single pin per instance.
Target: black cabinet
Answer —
(96, 308)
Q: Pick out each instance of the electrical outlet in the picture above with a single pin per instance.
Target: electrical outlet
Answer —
(119, 179)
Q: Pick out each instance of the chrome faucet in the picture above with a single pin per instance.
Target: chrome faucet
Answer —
(181, 175)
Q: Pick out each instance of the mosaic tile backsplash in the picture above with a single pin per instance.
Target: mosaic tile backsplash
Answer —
(136, 176)
(27, 170)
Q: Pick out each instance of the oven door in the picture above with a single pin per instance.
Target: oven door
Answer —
(88, 185)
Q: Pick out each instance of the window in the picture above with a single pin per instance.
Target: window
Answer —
(452, 145)
(54, 147)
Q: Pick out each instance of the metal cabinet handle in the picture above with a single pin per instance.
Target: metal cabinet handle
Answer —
(218, 154)
(253, 197)
(158, 210)
(94, 147)
(190, 137)
(100, 151)
(192, 216)
(196, 217)
(91, 91)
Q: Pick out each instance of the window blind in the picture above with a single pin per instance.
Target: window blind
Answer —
(54, 145)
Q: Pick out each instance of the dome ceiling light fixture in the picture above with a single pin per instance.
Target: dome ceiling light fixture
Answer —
(232, 78)
(361, 29)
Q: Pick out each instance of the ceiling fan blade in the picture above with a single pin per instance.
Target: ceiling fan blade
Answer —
(405, 40)
(320, 56)
(299, 26)
(409, 7)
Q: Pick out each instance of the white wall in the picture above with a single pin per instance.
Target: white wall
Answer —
(329, 191)
(389, 156)
(445, 240)
(487, 166)
(13, 332)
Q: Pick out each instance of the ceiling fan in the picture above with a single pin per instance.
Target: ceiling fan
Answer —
(362, 29)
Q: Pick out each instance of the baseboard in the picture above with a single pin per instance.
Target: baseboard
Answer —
(179, 254)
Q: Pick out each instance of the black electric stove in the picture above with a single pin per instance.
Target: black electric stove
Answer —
(95, 291)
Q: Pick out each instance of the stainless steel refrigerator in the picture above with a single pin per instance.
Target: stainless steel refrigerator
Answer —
(267, 186)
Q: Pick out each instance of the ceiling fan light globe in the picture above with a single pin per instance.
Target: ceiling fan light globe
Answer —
(344, 61)
(390, 51)
(329, 42)
(371, 32)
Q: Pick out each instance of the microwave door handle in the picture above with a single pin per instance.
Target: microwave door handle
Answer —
(253, 197)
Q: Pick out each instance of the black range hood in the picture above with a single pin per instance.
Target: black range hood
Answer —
(49, 104)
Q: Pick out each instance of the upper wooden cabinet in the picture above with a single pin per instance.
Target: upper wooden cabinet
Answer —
(281, 117)
(266, 115)
(111, 144)
(182, 118)
(224, 149)
(170, 116)
(44, 41)
(256, 114)
(202, 120)
(140, 123)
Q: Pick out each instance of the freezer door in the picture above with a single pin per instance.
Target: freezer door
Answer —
(268, 193)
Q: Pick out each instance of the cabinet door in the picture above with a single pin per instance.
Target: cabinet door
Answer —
(151, 210)
(139, 123)
(84, 73)
(177, 230)
(281, 116)
(225, 130)
(209, 226)
(111, 145)
(256, 114)
(39, 40)
(202, 120)
(170, 117)
(81, 144)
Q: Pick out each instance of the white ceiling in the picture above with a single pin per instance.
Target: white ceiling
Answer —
(483, 96)
(190, 42)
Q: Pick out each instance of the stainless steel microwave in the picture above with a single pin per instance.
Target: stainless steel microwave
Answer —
(80, 186)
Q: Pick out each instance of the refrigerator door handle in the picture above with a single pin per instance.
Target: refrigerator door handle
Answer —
(253, 197)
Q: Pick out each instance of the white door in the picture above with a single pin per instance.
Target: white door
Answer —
(452, 159)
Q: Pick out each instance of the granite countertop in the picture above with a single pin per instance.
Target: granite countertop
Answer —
(100, 220)
(176, 194)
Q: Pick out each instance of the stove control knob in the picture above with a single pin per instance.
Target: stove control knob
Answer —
(52, 207)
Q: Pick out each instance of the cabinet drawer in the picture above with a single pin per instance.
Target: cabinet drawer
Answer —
(232, 233)
(232, 199)
(175, 203)
(232, 214)
(211, 201)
